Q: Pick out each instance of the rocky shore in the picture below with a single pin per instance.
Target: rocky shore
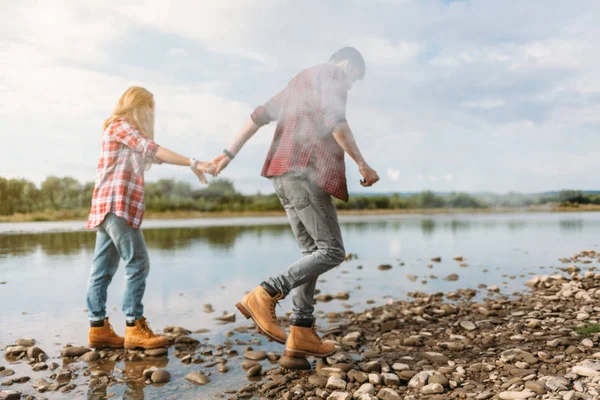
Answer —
(479, 344)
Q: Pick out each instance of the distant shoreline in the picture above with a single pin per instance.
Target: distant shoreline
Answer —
(74, 215)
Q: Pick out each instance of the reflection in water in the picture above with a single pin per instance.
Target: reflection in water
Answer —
(516, 225)
(427, 226)
(133, 375)
(65, 243)
(459, 225)
(571, 225)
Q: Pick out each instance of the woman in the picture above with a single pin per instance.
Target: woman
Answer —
(117, 210)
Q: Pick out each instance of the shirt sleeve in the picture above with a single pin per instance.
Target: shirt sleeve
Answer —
(268, 112)
(334, 95)
(131, 137)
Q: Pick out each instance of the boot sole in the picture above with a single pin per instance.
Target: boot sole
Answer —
(304, 354)
(248, 314)
(92, 345)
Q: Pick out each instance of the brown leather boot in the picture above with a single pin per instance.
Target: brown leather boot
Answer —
(304, 341)
(260, 306)
(140, 335)
(104, 336)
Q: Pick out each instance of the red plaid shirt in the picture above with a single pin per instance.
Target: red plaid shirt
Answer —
(307, 111)
(120, 176)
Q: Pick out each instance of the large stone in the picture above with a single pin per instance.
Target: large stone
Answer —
(585, 371)
(255, 355)
(34, 352)
(419, 380)
(516, 395)
(75, 351)
(366, 388)
(198, 378)
(162, 351)
(536, 386)
(317, 381)
(400, 367)
(27, 342)
(160, 376)
(14, 351)
(339, 396)
(388, 394)
(468, 325)
(351, 338)
(254, 371)
(6, 372)
(90, 356)
(435, 357)
(433, 388)
(335, 383)
(390, 379)
(294, 363)
(10, 395)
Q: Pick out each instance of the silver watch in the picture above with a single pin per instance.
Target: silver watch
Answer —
(192, 163)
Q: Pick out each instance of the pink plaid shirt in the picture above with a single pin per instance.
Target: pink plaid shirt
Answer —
(119, 188)
(307, 111)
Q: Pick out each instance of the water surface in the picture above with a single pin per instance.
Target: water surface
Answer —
(194, 262)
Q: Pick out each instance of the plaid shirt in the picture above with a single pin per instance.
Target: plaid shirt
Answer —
(307, 111)
(119, 188)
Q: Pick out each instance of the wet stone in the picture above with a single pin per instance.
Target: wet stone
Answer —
(294, 363)
(162, 351)
(198, 378)
(254, 371)
(255, 355)
(160, 376)
(75, 351)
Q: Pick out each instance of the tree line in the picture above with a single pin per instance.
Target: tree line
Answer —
(66, 193)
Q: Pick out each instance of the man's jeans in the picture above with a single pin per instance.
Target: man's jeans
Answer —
(313, 218)
(116, 240)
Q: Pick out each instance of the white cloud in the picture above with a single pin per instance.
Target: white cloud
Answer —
(448, 178)
(177, 52)
(485, 104)
(518, 88)
(393, 174)
(379, 51)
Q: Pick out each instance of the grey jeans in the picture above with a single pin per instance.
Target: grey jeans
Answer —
(313, 218)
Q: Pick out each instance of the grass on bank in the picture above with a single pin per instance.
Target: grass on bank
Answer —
(82, 214)
(588, 330)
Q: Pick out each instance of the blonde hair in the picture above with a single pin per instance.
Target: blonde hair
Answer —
(136, 106)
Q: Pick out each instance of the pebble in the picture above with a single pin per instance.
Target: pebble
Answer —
(388, 394)
(198, 378)
(90, 356)
(10, 395)
(468, 325)
(255, 355)
(339, 396)
(160, 376)
(75, 351)
(161, 351)
(366, 388)
(335, 383)
(254, 371)
(516, 395)
(432, 388)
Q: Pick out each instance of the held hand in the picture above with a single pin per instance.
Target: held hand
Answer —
(200, 168)
(370, 176)
(220, 162)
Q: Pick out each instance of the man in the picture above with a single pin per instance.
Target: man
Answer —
(306, 165)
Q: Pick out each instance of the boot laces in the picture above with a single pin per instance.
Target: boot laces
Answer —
(314, 332)
(109, 326)
(143, 325)
(274, 304)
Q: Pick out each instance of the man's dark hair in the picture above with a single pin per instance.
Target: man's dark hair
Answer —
(353, 56)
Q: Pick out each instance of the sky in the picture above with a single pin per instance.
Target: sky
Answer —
(473, 96)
